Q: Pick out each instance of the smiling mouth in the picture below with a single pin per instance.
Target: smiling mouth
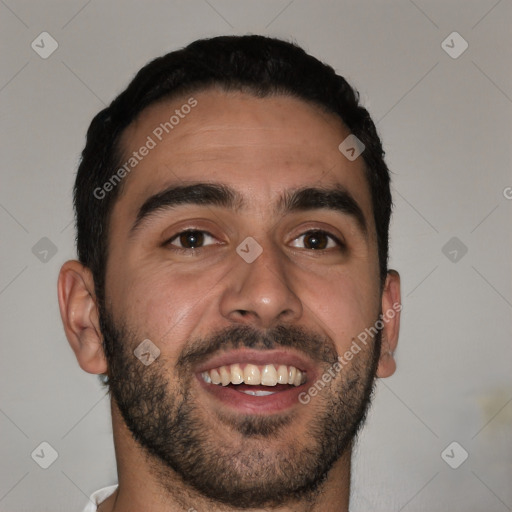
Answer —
(261, 382)
(269, 378)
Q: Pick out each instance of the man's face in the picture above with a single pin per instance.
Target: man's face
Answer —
(215, 312)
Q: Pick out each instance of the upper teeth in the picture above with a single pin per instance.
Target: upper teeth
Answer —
(266, 375)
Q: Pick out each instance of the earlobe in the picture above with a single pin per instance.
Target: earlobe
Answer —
(391, 308)
(79, 315)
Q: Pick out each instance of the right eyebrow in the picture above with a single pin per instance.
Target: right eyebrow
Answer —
(202, 194)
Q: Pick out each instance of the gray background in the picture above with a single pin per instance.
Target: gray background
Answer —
(446, 126)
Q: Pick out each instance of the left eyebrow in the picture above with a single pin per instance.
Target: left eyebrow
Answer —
(335, 198)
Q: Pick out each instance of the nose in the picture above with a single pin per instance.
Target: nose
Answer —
(261, 293)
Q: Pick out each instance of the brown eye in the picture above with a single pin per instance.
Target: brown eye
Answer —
(190, 239)
(319, 240)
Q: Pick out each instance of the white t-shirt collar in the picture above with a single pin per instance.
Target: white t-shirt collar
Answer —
(98, 497)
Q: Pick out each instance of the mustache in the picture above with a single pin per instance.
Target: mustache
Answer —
(318, 348)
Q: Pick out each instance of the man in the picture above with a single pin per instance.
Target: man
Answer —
(232, 211)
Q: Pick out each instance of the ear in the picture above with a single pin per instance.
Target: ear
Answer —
(79, 313)
(391, 307)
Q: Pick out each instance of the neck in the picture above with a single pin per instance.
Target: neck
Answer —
(140, 484)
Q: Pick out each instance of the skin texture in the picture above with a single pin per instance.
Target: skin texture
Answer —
(261, 147)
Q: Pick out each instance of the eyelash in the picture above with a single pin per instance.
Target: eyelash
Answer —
(168, 243)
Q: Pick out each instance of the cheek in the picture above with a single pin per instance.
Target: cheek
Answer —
(165, 304)
(343, 304)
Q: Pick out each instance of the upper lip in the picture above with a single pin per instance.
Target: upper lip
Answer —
(259, 357)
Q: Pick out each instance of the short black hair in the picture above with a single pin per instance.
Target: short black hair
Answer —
(255, 64)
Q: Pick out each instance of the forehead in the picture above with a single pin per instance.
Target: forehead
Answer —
(261, 146)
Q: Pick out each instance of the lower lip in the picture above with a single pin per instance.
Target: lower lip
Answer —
(250, 404)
